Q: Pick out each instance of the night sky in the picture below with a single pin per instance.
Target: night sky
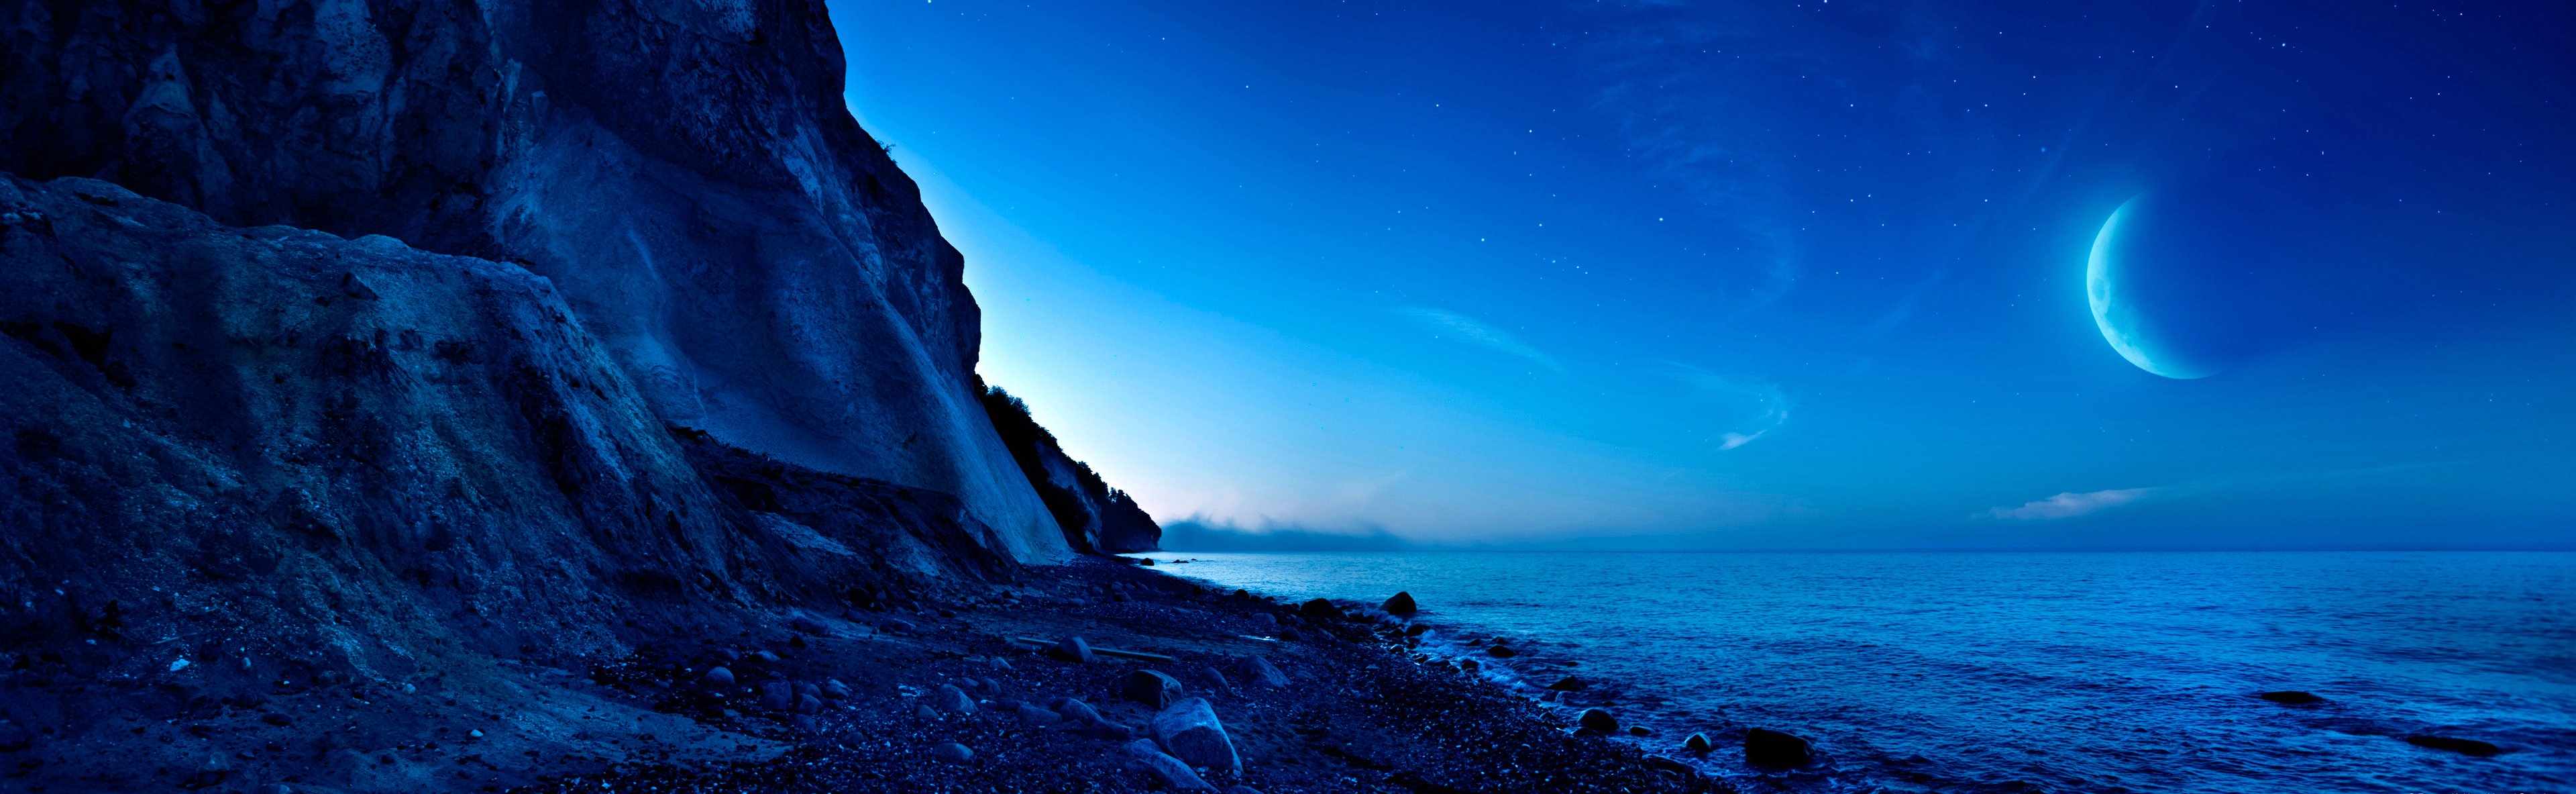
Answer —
(1771, 275)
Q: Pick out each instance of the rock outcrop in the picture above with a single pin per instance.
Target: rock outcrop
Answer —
(684, 172)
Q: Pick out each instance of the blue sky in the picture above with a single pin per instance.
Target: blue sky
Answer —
(1768, 275)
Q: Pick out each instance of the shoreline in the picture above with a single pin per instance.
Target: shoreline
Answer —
(1539, 672)
(1358, 710)
(870, 700)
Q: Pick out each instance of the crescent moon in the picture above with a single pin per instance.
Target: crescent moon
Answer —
(2120, 322)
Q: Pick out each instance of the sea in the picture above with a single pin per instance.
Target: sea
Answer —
(2021, 672)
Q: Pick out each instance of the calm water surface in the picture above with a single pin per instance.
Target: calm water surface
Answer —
(2030, 672)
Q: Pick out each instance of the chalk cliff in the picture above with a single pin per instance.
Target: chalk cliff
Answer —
(683, 171)
(431, 352)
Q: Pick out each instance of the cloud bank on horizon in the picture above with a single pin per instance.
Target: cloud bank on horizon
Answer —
(1721, 274)
(2070, 505)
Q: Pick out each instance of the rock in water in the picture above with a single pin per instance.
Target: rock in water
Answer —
(2291, 697)
(1567, 684)
(951, 700)
(1597, 719)
(1502, 651)
(2456, 745)
(1170, 771)
(1769, 748)
(1071, 649)
(1698, 743)
(1150, 687)
(1401, 605)
(1190, 731)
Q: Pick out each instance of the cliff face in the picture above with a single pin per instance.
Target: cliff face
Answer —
(238, 464)
(683, 171)
(1095, 517)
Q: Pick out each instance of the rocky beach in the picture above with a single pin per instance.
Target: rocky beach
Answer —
(429, 396)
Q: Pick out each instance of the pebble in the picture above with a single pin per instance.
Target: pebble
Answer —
(951, 700)
(1071, 649)
(1599, 720)
(1000, 663)
(924, 713)
(474, 734)
(1150, 687)
(765, 656)
(1074, 709)
(952, 752)
(808, 625)
(1190, 731)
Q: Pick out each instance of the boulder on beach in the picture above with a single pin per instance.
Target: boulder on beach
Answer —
(1071, 649)
(1763, 747)
(1599, 720)
(717, 678)
(2454, 744)
(1189, 730)
(951, 700)
(2291, 697)
(1150, 687)
(1260, 671)
(952, 752)
(1171, 772)
(1401, 605)
(1567, 684)
(1319, 609)
(1032, 715)
(1698, 743)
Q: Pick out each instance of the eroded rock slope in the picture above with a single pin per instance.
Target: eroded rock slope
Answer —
(684, 171)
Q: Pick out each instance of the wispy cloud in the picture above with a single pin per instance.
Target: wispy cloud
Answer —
(1462, 328)
(1753, 408)
(2070, 505)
